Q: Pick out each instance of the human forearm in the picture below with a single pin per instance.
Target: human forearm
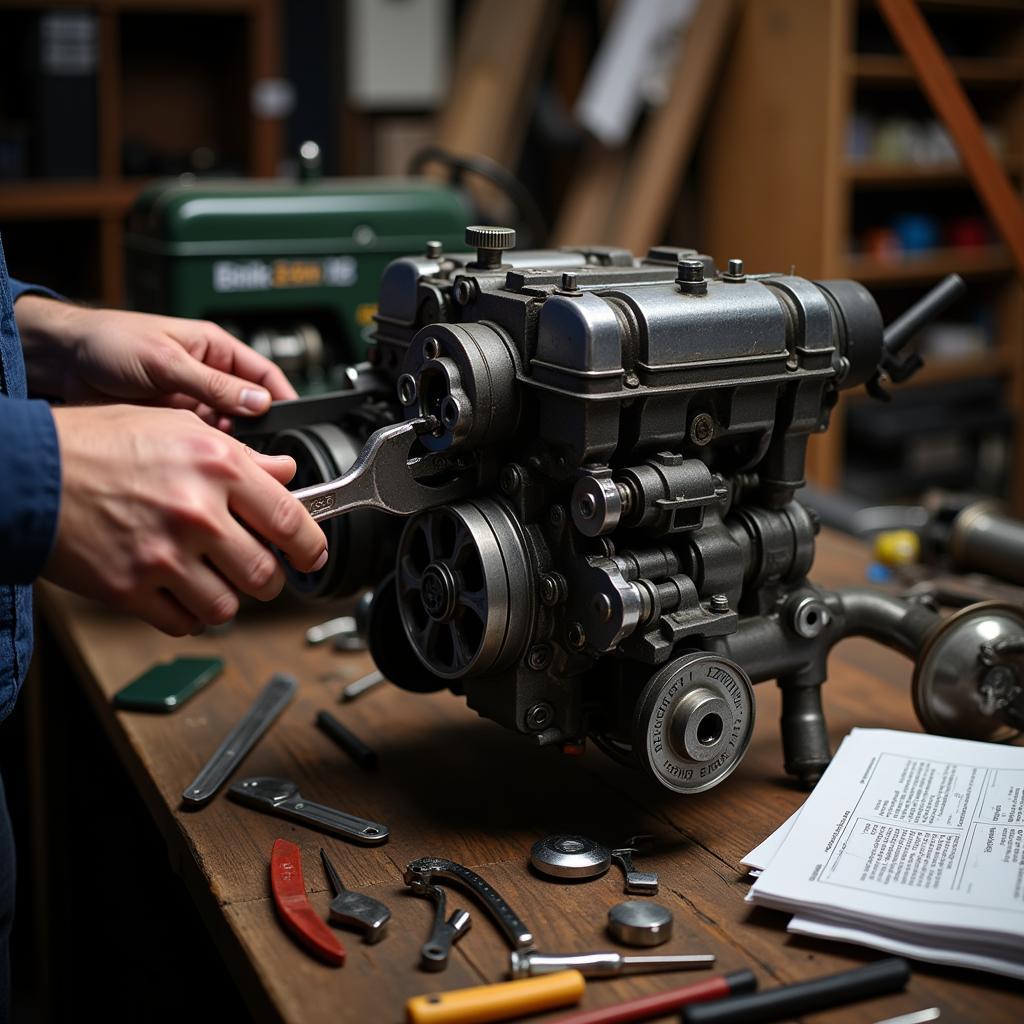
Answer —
(49, 332)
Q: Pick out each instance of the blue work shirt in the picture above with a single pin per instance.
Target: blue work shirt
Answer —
(29, 495)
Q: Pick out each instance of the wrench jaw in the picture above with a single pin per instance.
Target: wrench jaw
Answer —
(386, 477)
(443, 934)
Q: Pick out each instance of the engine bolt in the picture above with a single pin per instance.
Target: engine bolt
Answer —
(569, 282)
(539, 716)
(539, 657)
(577, 636)
(511, 478)
(690, 277)
(434, 250)
(719, 603)
(702, 429)
(552, 589)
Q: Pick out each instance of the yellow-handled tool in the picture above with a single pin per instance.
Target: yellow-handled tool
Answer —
(506, 999)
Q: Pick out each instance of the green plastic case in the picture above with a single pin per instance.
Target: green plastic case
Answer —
(165, 687)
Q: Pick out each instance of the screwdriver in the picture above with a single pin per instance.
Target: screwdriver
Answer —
(603, 965)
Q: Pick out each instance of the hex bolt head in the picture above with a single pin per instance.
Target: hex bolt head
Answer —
(690, 270)
(702, 429)
(568, 281)
(577, 636)
(540, 716)
(434, 250)
(551, 589)
(511, 478)
(690, 277)
(735, 272)
(539, 657)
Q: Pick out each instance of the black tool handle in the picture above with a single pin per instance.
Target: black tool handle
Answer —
(928, 307)
(879, 978)
(363, 755)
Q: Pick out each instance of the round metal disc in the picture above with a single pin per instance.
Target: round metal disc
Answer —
(946, 689)
(570, 857)
(640, 923)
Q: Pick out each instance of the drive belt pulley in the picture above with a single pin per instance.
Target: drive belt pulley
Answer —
(461, 569)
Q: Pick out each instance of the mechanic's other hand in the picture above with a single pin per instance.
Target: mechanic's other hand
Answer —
(148, 513)
(104, 355)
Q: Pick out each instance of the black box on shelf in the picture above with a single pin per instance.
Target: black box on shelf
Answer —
(63, 80)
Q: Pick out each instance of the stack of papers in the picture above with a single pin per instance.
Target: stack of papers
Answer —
(909, 843)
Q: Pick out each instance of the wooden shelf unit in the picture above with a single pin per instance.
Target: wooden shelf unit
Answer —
(778, 189)
(105, 200)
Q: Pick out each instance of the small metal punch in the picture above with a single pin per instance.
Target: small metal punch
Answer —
(384, 477)
(640, 883)
(444, 934)
(355, 909)
(527, 963)
(426, 869)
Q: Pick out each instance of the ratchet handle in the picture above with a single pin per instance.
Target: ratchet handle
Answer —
(426, 868)
(332, 820)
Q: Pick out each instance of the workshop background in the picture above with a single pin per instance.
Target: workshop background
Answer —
(788, 133)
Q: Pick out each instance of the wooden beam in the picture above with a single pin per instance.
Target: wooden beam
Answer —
(501, 53)
(584, 216)
(669, 134)
(947, 97)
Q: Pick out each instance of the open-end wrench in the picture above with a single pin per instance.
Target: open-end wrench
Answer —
(426, 869)
(282, 797)
(384, 477)
(434, 954)
(640, 883)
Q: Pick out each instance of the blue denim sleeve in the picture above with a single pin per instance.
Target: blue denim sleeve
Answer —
(19, 288)
(29, 488)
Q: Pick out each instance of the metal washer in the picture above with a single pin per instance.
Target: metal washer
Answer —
(640, 923)
(570, 856)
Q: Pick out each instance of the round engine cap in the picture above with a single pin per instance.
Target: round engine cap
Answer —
(640, 923)
(568, 856)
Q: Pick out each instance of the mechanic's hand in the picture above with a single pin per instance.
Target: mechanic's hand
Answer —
(147, 516)
(104, 355)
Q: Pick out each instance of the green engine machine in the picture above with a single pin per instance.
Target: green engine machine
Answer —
(291, 267)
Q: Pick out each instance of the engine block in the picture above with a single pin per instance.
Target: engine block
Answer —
(626, 556)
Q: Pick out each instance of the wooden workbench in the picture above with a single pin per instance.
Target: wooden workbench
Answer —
(454, 785)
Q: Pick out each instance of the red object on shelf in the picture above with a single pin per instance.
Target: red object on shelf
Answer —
(297, 913)
(967, 233)
(881, 244)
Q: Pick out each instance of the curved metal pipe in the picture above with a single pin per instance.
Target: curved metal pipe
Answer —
(897, 623)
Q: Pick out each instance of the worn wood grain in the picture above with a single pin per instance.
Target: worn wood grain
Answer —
(454, 785)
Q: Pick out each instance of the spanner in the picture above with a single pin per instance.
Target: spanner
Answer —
(384, 477)
(281, 797)
(426, 869)
(640, 883)
(434, 954)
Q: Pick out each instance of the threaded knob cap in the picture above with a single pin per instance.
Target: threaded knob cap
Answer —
(489, 242)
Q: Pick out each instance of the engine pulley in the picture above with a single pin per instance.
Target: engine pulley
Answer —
(693, 721)
(461, 570)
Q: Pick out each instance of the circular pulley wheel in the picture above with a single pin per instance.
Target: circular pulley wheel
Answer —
(693, 721)
(461, 571)
(949, 677)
